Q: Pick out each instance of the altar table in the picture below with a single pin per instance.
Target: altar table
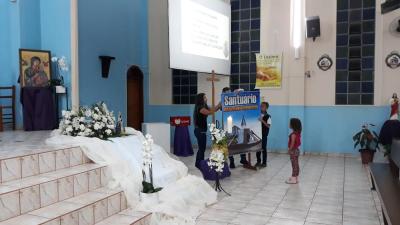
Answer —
(39, 111)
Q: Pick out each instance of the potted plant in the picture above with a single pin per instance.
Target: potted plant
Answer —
(61, 65)
(149, 193)
(368, 142)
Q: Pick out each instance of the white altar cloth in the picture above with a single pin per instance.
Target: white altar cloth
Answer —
(183, 196)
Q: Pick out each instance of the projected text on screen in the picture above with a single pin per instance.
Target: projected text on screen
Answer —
(204, 32)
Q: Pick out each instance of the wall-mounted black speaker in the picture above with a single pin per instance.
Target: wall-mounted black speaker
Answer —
(313, 27)
(105, 65)
(390, 5)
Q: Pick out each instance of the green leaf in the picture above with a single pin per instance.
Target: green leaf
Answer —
(357, 136)
(362, 143)
(157, 189)
(355, 144)
(148, 188)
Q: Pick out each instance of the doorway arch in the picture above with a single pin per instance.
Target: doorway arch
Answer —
(135, 107)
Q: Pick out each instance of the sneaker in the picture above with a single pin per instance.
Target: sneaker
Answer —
(244, 162)
(232, 165)
(258, 164)
(263, 165)
(291, 180)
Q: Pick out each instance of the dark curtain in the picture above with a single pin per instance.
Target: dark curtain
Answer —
(39, 112)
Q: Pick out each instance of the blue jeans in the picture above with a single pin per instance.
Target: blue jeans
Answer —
(263, 151)
(201, 135)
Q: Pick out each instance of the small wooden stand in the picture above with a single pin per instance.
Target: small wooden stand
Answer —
(213, 79)
(248, 165)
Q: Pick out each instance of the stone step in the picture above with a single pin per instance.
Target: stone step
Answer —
(86, 209)
(128, 217)
(25, 195)
(26, 164)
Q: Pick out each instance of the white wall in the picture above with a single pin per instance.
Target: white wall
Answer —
(276, 38)
(160, 82)
(387, 80)
(160, 90)
(319, 89)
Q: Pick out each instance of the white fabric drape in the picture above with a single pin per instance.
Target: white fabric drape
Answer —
(183, 196)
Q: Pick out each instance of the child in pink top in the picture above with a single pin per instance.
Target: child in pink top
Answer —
(294, 152)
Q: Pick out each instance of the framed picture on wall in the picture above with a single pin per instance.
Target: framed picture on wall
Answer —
(35, 67)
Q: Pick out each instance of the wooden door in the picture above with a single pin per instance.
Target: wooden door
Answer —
(135, 98)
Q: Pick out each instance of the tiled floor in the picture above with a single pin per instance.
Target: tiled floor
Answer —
(332, 191)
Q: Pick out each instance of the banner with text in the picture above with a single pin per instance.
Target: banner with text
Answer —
(241, 113)
(269, 71)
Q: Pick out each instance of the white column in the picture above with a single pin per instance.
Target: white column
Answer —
(74, 55)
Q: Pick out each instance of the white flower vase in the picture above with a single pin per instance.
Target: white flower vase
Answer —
(150, 198)
(60, 89)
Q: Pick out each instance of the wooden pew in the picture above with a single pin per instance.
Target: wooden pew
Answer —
(385, 180)
(8, 110)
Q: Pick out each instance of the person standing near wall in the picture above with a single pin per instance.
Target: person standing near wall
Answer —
(293, 149)
(200, 115)
(265, 120)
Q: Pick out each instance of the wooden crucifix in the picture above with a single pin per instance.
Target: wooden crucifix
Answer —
(213, 79)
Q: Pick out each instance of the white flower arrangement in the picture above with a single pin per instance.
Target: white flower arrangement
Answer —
(96, 121)
(61, 63)
(217, 135)
(219, 151)
(147, 151)
(217, 161)
(147, 167)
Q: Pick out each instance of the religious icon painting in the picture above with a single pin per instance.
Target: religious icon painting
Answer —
(35, 68)
(325, 62)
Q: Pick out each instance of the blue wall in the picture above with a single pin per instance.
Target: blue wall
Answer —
(124, 36)
(34, 24)
(325, 128)
(56, 34)
(30, 18)
(5, 42)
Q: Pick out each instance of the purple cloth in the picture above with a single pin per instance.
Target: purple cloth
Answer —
(38, 108)
(182, 143)
(209, 174)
